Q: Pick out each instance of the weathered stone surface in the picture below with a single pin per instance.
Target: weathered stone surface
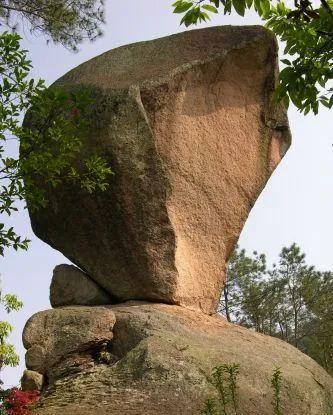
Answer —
(71, 286)
(32, 381)
(35, 357)
(165, 353)
(189, 127)
(55, 336)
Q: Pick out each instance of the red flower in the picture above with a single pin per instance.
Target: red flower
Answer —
(18, 401)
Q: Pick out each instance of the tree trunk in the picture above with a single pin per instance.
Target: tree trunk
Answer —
(226, 303)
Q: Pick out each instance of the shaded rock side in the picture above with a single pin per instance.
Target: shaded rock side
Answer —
(32, 381)
(71, 286)
(164, 355)
(188, 125)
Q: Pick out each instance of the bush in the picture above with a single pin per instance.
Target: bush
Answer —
(18, 402)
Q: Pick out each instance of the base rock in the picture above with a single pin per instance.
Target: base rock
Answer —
(164, 354)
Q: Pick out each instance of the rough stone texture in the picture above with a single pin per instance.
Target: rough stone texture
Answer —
(35, 357)
(64, 340)
(188, 125)
(32, 381)
(164, 354)
(71, 286)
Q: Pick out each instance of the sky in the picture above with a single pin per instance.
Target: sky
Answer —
(296, 205)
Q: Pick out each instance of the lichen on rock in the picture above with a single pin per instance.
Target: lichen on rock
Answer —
(164, 356)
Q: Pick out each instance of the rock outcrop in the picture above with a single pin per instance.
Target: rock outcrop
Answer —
(190, 129)
(163, 357)
(71, 286)
(61, 341)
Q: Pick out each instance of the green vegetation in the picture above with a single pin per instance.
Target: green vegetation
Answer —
(306, 29)
(68, 22)
(224, 380)
(292, 300)
(276, 383)
(48, 144)
(51, 139)
(8, 357)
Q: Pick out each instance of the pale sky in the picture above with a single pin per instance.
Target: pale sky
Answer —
(295, 206)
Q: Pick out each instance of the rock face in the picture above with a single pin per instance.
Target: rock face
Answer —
(32, 381)
(63, 340)
(189, 127)
(164, 355)
(71, 286)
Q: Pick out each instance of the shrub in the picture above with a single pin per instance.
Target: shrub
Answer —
(18, 402)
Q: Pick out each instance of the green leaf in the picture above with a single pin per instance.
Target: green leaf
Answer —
(265, 8)
(183, 7)
(239, 6)
(285, 101)
(281, 8)
(210, 8)
(257, 6)
(322, 82)
(324, 101)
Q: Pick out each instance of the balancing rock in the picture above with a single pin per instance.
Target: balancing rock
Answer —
(190, 128)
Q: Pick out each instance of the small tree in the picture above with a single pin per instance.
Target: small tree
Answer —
(8, 357)
(48, 145)
(295, 277)
(224, 380)
(276, 384)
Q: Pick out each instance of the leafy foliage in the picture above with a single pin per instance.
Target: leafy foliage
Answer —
(224, 380)
(307, 31)
(8, 357)
(49, 143)
(292, 301)
(68, 22)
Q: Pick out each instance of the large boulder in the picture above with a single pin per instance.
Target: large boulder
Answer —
(164, 355)
(71, 286)
(191, 131)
